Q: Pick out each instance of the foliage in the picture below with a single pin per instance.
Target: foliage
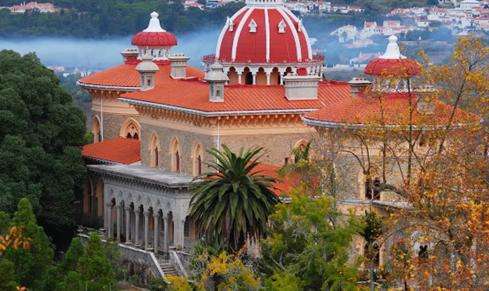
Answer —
(158, 284)
(283, 281)
(8, 279)
(178, 283)
(104, 18)
(40, 134)
(30, 263)
(227, 272)
(310, 241)
(232, 202)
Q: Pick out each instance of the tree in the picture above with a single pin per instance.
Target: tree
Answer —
(41, 131)
(30, 263)
(232, 202)
(310, 241)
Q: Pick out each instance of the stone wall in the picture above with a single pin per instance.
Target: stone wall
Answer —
(112, 123)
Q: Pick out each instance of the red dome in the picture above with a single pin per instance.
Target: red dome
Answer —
(393, 67)
(154, 39)
(393, 63)
(154, 35)
(263, 34)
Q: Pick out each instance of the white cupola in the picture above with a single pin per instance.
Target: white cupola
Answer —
(216, 79)
(147, 70)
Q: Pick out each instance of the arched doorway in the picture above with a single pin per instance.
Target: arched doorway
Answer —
(275, 77)
(261, 77)
(248, 76)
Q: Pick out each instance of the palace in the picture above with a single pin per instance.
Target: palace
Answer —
(154, 118)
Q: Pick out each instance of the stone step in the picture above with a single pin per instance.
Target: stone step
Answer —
(168, 269)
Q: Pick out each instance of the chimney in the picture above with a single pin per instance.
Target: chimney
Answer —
(426, 94)
(147, 70)
(130, 56)
(358, 85)
(178, 64)
(301, 87)
(216, 79)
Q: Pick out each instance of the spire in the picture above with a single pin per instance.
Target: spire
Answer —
(154, 24)
(392, 52)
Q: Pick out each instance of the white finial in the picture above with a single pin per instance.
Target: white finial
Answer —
(154, 24)
(392, 52)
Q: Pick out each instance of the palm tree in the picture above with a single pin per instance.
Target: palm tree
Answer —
(232, 202)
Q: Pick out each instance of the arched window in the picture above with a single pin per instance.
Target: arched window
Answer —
(130, 129)
(175, 152)
(96, 131)
(301, 150)
(233, 76)
(372, 191)
(197, 155)
(154, 151)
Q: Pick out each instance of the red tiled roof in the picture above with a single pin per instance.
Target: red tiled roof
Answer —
(367, 110)
(125, 75)
(117, 150)
(283, 185)
(194, 95)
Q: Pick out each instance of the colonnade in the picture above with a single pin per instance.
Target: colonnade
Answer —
(151, 229)
(240, 74)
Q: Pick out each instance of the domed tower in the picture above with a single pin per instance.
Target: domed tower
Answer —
(263, 42)
(392, 72)
(154, 40)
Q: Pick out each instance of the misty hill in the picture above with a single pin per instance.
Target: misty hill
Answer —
(106, 18)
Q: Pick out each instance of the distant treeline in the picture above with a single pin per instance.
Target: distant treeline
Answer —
(106, 18)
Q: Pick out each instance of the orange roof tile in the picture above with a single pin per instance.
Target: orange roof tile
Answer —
(117, 150)
(193, 95)
(283, 184)
(359, 110)
(125, 75)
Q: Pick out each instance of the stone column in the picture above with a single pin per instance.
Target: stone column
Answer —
(179, 235)
(108, 212)
(268, 72)
(165, 233)
(240, 73)
(118, 238)
(136, 227)
(156, 232)
(146, 245)
(281, 72)
(128, 223)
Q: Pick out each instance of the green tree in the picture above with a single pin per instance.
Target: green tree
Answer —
(30, 264)
(41, 132)
(232, 202)
(8, 279)
(310, 241)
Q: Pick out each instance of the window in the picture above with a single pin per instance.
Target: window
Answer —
(177, 161)
(372, 191)
(197, 159)
(199, 165)
(175, 155)
(286, 161)
(423, 252)
(154, 151)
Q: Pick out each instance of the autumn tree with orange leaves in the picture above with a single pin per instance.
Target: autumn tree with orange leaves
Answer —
(430, 156)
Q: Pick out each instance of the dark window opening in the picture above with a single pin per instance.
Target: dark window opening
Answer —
(199, 165)
(156, 157)
(372, 189)
(249, 78)
(177, 161)
(423, 252)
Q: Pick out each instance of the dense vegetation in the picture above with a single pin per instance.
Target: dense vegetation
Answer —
(41, 131)
(27, 258)
(96, 18)
(103, 18)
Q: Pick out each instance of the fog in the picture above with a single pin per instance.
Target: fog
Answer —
(98, 54)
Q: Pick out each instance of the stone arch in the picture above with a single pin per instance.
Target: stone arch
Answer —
(261, 77)
(197, 159)
(299, 145)
(275, 76)
(175, 153)
(248, 76)
(233, 75)
(130, 129)
(154, 151)
(99, 197)
(87, 196)
(288, 70)
(96, 129)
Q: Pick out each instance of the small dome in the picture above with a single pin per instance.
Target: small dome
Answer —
(154, 35)
(393, 63)
(264, 31)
